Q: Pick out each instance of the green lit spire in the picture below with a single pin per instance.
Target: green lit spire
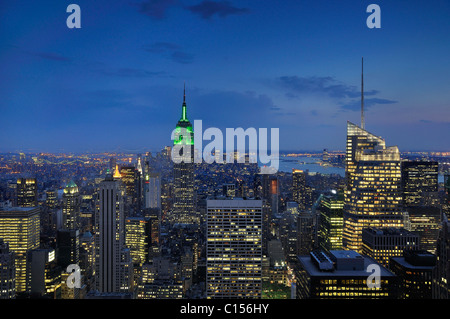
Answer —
(184, 123)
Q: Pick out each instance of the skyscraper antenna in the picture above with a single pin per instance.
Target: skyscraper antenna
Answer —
(184, 93)
(362, 92)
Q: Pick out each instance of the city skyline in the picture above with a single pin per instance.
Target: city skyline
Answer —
(295, 66)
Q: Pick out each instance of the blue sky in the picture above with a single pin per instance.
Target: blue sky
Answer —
(117, 83)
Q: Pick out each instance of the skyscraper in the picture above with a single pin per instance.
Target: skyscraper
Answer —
(45, 274)
(331, 221)
(184, 208)
(299, 187)
(27, 192)
(71, 206)
(234, 249)
(131, 180)
(152, 190)
(415, 273)
(373, 191)
(20, 228)
(441, 273)
(113, 261)
(420, 183)
(382, 244)
(7, 272)
(68, 252)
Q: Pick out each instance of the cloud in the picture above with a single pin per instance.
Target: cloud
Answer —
(355, 105)
(347, 97)
(207, 9)
(171, 51)
(319, 85)
(156, 9)
(45, 55)
(128, 72)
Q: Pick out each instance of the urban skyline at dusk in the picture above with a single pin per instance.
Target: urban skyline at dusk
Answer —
(290, 65)
(223, 156)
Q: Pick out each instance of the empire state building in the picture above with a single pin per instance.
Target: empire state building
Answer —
(184, 211)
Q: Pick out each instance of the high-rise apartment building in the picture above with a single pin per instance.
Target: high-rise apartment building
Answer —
(234, 249)
(20, 228)
(373, 191)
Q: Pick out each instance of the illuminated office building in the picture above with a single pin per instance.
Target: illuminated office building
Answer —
(131, 181)
(184, 208)
(138, 241)
(415, 273)
(7, 272)
(87, 259)
(71, 206)
(20, 228)
(51, 200)
(27, 192)
(331, 221)
(234, 249)
(420, 183)
(113, 266)
(299, 188)
(426, 222)
(45, 274)
(340, 274)
(373, 192)
(160, 280)
(382, 244)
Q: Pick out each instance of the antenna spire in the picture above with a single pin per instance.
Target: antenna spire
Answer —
(362, 92)
(184, 93)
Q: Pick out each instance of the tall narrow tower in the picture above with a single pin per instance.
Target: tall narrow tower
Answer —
(362, 93)
(113, 260)
(184, 211)
(71, 206)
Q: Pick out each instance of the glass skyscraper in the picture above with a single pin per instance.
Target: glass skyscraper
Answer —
(373, 195)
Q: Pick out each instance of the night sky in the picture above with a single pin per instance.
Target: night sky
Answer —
(117, 83)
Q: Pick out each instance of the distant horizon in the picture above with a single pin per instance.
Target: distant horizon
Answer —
(142, 152)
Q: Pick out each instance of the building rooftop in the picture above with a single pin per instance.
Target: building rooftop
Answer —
(354, 265)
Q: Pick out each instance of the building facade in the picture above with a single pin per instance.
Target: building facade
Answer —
(234, 248)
